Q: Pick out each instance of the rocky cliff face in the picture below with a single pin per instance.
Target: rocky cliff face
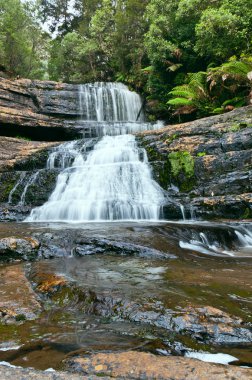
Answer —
(206, 164)
(41, 110)
(24, 180)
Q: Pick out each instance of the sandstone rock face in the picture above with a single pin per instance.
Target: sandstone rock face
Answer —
(139, 365)
(15, 152)
(206, 164)
(39, 109)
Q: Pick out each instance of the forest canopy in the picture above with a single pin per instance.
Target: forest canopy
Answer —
(189, 58)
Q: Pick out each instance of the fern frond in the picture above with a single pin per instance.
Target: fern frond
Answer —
(184, 93)
(178, 102)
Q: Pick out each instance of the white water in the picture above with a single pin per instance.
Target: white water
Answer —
(113, 181)
(109, 102)
(30, 182)
(111, 184)
(211, 358)
(202, 244)
(19, 182)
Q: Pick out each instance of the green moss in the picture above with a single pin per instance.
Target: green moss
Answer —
(7, 183)
(234, 128)
(247, 214)
(238, 126)
(201, 154)
(153, 155)
(20, 317)
(187, 185)
(182, 162)
(170, 139)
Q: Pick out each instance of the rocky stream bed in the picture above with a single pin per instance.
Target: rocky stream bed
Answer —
(125, 300)
(108, 289)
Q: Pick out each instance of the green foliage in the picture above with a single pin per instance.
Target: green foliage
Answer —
(189, 58)
(73, 59)
(23, 45)
(105, 45)
(181, 162)
(192, 96)
(216, 90)
(224, 31)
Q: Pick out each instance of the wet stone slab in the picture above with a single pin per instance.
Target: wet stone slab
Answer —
(18, 302)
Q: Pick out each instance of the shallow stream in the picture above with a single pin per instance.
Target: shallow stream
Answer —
(182, 279)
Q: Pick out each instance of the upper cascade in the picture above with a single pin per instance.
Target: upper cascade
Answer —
(110, 102)
(111, 180)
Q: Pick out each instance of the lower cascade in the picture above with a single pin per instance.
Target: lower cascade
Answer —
(113, 182)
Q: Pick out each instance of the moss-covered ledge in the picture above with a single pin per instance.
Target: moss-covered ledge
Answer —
(209, 159)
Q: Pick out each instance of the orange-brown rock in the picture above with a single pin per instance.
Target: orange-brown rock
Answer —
(16, 150)
(49, 282)
(139, 365)
(16, 295)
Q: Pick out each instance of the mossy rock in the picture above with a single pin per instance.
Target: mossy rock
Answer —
(7, 183)
(182, 162)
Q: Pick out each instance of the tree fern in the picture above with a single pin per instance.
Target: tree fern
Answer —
(194, 94)
(233, 70)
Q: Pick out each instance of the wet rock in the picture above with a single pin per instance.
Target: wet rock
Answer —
(88, 249)
(229, 206)
(213, 325)
(18, 301)
(16, 153)
(14, 248)
(92, 246)
(208, 325)
(205, 325)
(139, 365)
(50, 283)
(17, 373)
(9, 213)
(50, 252)
(209, 158)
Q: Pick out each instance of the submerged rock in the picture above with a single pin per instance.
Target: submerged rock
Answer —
(97, 246)
(18, 302)
(205, 325)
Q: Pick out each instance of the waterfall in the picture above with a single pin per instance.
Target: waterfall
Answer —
(113, 180)
(109, 102)
(29, 183)
(19, 182)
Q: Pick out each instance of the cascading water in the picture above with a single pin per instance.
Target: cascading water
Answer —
(109, 102)
(113, 181)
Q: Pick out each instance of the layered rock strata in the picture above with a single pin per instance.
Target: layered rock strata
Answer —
(206, 164)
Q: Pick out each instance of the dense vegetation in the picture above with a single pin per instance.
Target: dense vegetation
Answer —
(190, 58)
